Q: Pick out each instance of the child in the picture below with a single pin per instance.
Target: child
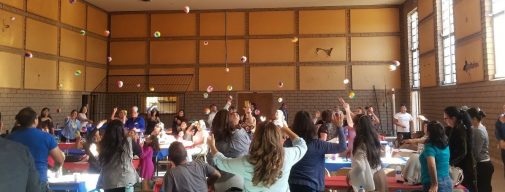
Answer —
(151, 146)
(187, 176)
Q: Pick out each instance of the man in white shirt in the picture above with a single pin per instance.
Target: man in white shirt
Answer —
(403, 122)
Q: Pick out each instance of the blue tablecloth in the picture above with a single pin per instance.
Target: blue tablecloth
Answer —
(69, 186)
(339, 163)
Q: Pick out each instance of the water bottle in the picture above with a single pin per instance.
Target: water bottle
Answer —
(361, 189)
(388, 151)
(398, 174)
(129, 188)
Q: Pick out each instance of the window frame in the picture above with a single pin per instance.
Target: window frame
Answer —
(447, 44)
(413, 43)
(498, 14)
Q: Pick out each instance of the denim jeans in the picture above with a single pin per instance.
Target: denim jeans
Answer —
(444, 185)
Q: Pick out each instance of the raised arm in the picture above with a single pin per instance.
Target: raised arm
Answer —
(228, 102)
(348, 111)
(230, 165)
(341, 146)
(299, 148)
(114, 111)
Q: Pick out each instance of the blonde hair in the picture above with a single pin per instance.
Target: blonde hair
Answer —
(340, 119)
(266, 154)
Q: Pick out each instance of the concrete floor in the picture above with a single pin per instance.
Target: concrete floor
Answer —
(498, 181)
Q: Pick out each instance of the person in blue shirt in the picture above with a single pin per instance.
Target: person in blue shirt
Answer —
(135, 121)
(435, 160)
(72, 127)
(500, 134)
(40, 144)
(308, 174)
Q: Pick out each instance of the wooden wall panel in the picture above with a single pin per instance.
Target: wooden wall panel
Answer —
(385, 48)
(97, 20)
(425, 8)
(130, 83)
(271, 22)
(15, 3)
(467, 18)
(68, 79)
(214, 51)
(176, 71)
(366, 76)
(308, 49)
(234, 78)
(72, 44)
(426, 36)
(12, 36)
(45, 8)
(126, 71)
(322, 77)
(41, 37)
(96, 50)
(375, 20)
(128, 53)
(10, 70)
(94, 76)
(131, 25)
(41, 74)
(322, 22)
(428, 70)
(212, 24)
(268, 78)
(173, 52)
(271, 50)
(469, 52)
(73, 13)
(174, 24)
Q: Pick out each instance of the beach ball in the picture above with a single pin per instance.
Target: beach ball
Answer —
(205, 95)
(82, 32)
(210, 89)
(119, 84)
(392, 67)
(106, 33)
(13, 18)
(280, 100)
(186, 9)
(28, 55)
(138, 85)
(280, 84)
(77, 73)
(397, 63)
(352, 94)
(206, 111)
(294, 39)
(346, 81)
(151, 89)
(205, 43)
(109, 59)
(157, 34)
(229, 88)
(227, 69)
(243, 59)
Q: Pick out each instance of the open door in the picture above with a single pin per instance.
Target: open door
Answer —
(263, 102)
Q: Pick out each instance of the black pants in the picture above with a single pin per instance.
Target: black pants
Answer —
(121, 189)
(406, 135)
(484, 174)
(300, 188)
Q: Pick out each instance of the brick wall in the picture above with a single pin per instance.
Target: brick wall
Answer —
(13, 100)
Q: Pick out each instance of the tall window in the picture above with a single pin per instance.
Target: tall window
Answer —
(413, 23)
(449, 60)
(499, 38)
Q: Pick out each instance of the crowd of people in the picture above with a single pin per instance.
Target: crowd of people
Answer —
(247, 153)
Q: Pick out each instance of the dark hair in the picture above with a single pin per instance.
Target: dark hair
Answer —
(403, 105)
(232, 108)
(155, 144)
(436, 135)
(25, 118)
(90, 135)
(155, 111)
(367, 135)
(476, 113)
(82, 109)
(73, 111)
(42, 113)
(212, 105)
(303, 126)
(461, 116)
(113, 142)
(368, 107)
(177, 153)
(221, 127)
(326, 115)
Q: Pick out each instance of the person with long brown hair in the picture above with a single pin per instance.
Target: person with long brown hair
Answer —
(268, 164)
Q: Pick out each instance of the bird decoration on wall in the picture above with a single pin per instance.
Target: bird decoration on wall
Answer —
(469, 66)
(327, 51)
